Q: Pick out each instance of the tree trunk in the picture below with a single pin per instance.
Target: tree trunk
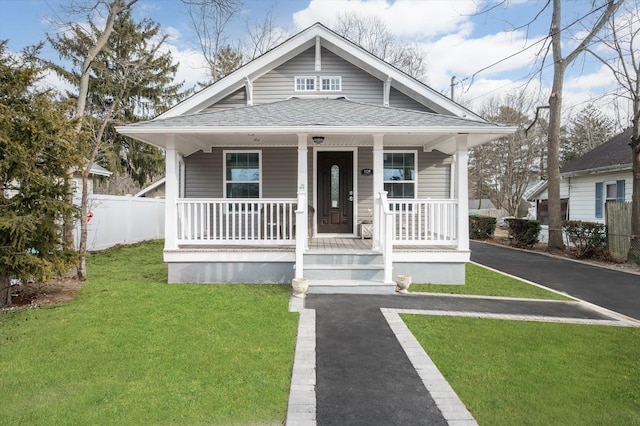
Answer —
(84, 210)
(5, 291)
(553, 141)
(634, 250)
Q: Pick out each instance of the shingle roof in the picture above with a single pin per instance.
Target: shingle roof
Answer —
(301, 112)
(614, 152)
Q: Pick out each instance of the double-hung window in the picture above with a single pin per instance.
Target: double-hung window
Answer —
(400, 173)
(242, 174)
(608, 191)
(305, 84)
(330, 84)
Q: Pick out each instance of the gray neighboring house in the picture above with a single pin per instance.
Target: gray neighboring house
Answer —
(272, 171)
(588, 182)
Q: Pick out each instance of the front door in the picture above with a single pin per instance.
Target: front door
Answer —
(335, 192)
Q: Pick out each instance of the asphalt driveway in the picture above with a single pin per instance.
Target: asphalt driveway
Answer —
(614, 290)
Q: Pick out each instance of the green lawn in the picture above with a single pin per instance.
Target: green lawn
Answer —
(484, 282)
(525, 373)
(131, 349)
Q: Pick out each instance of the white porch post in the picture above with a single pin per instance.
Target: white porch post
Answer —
(171, 194)
(462, 192)
(378, 186)
(302, 219)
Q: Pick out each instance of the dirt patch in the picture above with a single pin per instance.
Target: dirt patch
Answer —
(52, 293)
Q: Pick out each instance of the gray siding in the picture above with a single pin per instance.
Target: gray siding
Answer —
(204, 177)
(278, 84)
(398, 99)
(365, 183)
(234, 100)
(434, 174)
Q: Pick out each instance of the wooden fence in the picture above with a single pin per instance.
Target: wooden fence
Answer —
(618, 220)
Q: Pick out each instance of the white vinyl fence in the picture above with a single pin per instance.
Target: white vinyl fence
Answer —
(118, 219)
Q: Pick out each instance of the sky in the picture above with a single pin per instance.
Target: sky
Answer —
(489, 46)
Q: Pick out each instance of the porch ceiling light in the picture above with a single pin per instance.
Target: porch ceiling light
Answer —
(318, 139)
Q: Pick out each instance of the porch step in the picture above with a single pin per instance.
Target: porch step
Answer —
(347, 265)
(349, 287)
(342, 258)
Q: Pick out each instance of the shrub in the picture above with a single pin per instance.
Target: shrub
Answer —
(523, 232)
(481, 227)
(587, 238)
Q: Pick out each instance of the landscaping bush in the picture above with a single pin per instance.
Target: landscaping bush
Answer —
(523, 232)
(481, 227)
(587, 238)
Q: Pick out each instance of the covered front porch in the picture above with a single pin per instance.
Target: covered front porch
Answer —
(278, 239)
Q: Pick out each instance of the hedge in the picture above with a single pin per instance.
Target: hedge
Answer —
(523, 232)
(481, 227)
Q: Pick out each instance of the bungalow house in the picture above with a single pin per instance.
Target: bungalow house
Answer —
(588, 182)
(272, 170)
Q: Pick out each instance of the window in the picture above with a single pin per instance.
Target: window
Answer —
(242, 174)
(331, 84)
(400, 174)
(305, 84)
(608, 191)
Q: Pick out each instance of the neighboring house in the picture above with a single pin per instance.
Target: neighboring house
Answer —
(155, 190)
(76, 181)
(96, 170)
(317, 135)
(588, 182)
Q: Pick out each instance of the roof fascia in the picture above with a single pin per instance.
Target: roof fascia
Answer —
(596, 170)
(426, 130)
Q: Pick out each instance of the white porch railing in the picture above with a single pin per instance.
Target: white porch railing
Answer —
(236, 221)
(386, 235)
(425, 222)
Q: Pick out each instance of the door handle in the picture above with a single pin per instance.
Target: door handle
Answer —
(351, 198)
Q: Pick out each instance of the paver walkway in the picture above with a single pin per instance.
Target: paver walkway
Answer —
(614, 290)
(363, 373)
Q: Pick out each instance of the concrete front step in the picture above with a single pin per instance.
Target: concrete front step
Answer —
(350, 287)
(339, 258)
(344, 272)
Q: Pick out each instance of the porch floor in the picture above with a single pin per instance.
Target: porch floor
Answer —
(318, 245)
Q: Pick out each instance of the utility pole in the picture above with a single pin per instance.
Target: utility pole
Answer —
(453, 84)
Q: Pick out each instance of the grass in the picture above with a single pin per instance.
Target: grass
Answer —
(485, 282)
(130, 349)
(510, 373)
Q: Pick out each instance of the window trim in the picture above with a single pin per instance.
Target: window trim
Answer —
(305, 77)
(415, 171)
(330, 77)
(224, 172)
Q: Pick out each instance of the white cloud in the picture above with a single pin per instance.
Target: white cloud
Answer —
(192, 67)
(404, 18)
(461, 56)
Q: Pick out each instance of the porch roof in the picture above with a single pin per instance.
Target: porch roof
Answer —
(316, 115)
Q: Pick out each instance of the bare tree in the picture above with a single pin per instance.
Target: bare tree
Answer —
(262, 36)
(211, 19)
(621, 40)
(372, 34)
(560, 63)
(502, 170)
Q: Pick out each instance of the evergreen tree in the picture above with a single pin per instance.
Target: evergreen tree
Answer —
(36, 152)
(587, 130)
